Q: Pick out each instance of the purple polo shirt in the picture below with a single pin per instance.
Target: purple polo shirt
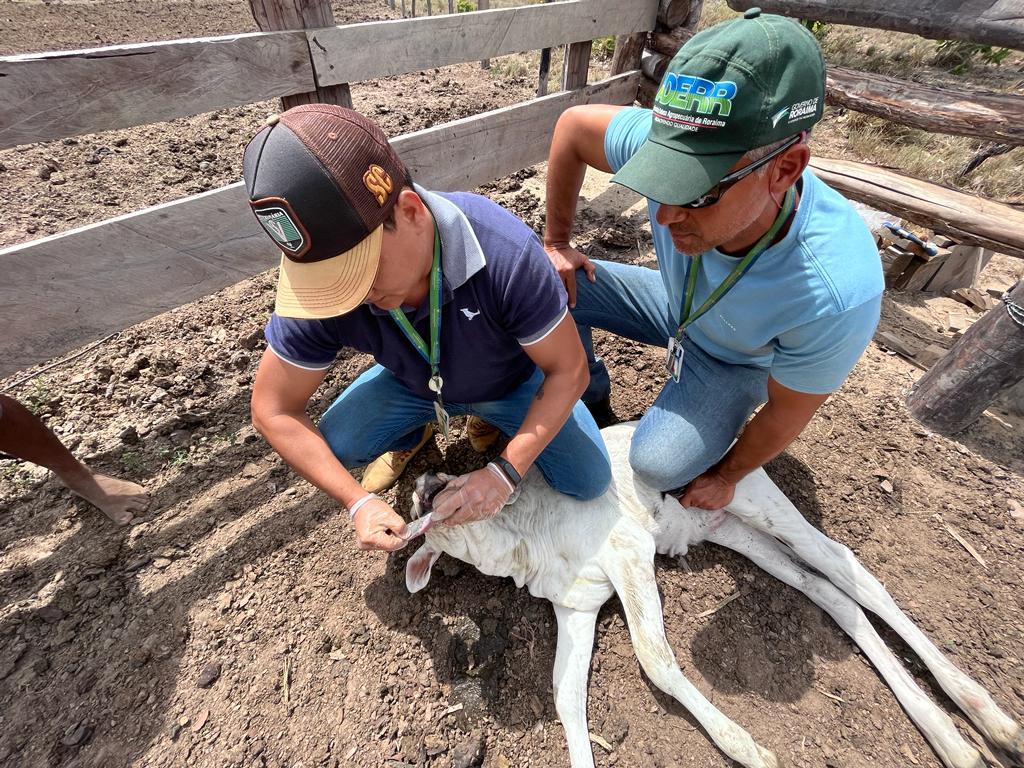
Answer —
(500, 293)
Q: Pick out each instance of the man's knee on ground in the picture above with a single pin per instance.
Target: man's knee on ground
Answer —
(667, 464)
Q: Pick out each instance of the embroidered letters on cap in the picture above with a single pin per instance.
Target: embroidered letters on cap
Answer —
(277, 219)
(378, 181)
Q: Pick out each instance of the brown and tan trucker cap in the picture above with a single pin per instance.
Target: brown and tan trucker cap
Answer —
(322, 180)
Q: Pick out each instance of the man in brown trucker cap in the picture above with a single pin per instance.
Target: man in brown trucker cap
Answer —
(453, 297)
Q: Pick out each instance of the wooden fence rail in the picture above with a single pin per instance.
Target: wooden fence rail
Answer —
(131, 268)
(53, 95)
(966, 218)
(993, 22)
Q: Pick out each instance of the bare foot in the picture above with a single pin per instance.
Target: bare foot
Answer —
(119, 500)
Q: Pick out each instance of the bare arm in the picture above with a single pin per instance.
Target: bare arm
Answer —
(560, 356)
(280, 396)
(578, 141)
(774, 427)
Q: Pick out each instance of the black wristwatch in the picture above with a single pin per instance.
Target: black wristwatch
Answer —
(510, 472)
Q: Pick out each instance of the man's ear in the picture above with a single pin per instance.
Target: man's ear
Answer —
(410, 208)
(417, 570)
(787, 168)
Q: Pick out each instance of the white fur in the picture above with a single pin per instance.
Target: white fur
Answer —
(577, 554)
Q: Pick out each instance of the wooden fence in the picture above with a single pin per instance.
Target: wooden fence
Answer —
(68, 289)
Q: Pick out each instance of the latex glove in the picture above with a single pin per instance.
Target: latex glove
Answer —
(474, 496)
(378, 525)
(566, 261)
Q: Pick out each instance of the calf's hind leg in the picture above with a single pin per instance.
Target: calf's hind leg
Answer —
(760, 504)
(634, 582)
(772, 557)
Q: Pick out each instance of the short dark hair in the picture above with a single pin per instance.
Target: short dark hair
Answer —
(389, 220)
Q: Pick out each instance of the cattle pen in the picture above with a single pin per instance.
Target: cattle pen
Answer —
(320, 656)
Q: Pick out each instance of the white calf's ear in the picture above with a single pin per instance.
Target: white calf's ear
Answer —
(417, 570)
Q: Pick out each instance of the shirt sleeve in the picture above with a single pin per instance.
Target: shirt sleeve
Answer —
(817, 357)
(534, 300)
(303, 343)
(625, 134)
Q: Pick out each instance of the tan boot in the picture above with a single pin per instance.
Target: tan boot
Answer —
(385, 471)
(481, 434)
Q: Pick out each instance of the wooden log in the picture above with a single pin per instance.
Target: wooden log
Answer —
(576, 67)
(273, 15)
(69, 93)
(986, 361)
(133, 267)
(991, 22)
(992, 116)
(628, 49)
(922, 277)
(967, 218)
(676, 13)
(377, 49)
(653, 65)
(668, 43)
(646, 92)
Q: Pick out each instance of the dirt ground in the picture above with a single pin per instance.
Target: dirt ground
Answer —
(236, 625)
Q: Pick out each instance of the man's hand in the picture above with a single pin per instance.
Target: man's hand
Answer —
(567, 260)
(474, 496)
(708, 491)
(377, 526)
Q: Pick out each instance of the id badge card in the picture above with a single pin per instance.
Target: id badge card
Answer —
(674, 359)
(443, 418)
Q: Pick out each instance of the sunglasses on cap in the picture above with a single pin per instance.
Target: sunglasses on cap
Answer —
(714, 194)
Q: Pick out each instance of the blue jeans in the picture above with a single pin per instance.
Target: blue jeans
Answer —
(376, 414)
(693, 421)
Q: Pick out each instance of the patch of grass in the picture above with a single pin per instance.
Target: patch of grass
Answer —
(959, 56)
(38, 394)
(715, 12)
(817, 28)
(604, 47)
(133, 462)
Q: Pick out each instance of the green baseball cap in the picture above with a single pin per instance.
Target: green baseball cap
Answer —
(739, 85)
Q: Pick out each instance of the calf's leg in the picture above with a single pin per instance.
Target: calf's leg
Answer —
(572, 667)
(772, 557)
(760, 504)
(634, 582)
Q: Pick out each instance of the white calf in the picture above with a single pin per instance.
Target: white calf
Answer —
(577, 554)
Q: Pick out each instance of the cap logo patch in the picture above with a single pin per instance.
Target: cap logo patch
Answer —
(687, 93)
(279, 224)
(779, 115)
(378, 181)
(802, 109)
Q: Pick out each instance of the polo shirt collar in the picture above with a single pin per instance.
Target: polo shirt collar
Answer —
(461, 254)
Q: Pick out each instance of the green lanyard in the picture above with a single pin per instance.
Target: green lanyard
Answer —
(738, 271)
(433, 354)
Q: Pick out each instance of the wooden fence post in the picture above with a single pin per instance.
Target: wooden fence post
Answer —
(986, 361)
(484, 5)
(628, 49)
(451, 6)
(576, 66)
(276, 15)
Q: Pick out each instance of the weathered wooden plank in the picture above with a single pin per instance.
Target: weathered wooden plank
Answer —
(469, 152)
(277, 15)
(966, 218)
(986, 361)
(52, 95)
(576, 66)
(376, 49)
(676, 13)
(62, 291)
(995, 22)
(993, 116)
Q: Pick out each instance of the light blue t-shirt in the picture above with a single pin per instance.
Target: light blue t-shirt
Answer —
(806, 309)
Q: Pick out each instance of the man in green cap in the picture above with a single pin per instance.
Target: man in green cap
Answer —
(770, 283)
